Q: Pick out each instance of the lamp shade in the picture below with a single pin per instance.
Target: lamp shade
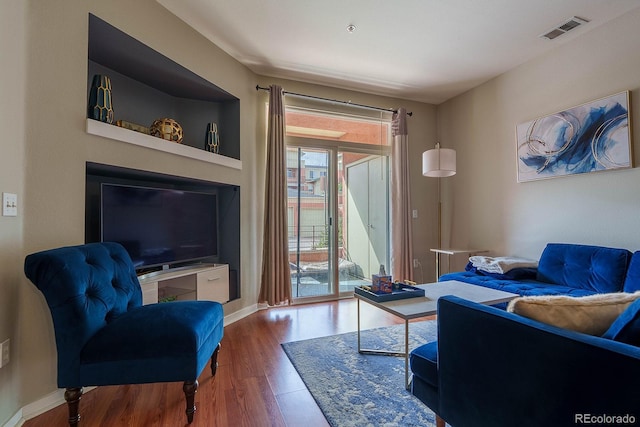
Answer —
(439, 162)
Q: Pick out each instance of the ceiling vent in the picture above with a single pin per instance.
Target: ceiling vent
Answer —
(569, 25)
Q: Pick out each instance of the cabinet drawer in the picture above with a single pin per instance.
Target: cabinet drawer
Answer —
(213, 284)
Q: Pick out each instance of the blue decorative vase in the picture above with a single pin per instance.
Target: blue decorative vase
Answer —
(100, 105)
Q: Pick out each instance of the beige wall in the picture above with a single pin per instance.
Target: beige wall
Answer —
(12, 159)
(489, 208)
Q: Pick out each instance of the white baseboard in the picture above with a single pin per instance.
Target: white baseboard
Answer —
(40, 406)
(36, 408)
(240, 314)
(15, 421)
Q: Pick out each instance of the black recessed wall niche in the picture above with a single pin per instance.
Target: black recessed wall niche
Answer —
(147, 85)
(228, 209)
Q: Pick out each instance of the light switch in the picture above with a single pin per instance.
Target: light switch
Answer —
(9, 204)
(414, 214)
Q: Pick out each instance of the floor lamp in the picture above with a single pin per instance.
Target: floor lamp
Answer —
(439, 163)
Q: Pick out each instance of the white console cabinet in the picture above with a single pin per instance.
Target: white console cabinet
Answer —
(202, 282)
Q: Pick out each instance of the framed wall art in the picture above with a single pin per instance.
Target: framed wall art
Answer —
(591, 137)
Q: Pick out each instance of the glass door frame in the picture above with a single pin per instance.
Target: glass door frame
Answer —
(333, 148)
(329, 212)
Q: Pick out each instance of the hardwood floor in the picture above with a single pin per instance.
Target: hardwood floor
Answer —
(255, 384)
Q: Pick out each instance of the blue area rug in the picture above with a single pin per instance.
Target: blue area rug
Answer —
(354, 389)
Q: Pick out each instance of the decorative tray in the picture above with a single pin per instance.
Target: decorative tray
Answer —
(404, 291)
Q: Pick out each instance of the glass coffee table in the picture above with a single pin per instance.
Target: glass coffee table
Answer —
(413, 308)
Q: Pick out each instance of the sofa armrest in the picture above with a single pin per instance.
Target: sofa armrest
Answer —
(500, 369)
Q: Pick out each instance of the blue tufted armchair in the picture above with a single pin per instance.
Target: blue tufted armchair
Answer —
(105, 336)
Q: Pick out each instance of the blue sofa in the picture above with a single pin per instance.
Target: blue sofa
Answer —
(493, 368)
(565, 269)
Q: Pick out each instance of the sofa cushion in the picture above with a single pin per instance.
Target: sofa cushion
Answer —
(632, 280)
(594, 268)
(154, 338)
(592, 314)
(524, 287)
(424, 363)
(626, 327)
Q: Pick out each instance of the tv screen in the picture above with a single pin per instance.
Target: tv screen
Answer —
(159, 226)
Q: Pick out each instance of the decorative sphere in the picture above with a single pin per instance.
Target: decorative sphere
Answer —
(168, 129)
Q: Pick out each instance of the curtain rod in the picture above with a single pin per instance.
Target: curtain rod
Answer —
(390, 110)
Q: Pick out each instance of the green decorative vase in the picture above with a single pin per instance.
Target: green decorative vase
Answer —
(100, 104)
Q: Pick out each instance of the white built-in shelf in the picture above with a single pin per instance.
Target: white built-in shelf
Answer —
(95, 127)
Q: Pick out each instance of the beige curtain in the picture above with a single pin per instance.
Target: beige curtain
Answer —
(275, 286)
(401, 240)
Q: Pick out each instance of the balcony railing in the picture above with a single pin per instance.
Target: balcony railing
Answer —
(312, 237)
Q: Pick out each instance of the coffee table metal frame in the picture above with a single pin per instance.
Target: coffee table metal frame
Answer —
(413, 308)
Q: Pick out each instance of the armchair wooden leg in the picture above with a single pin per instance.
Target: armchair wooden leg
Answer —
(190, 388)
(73, 395)
(439, 421)
(214, 360)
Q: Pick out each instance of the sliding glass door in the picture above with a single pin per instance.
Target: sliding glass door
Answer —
(338, 207)
(366, 216)
(310, 222)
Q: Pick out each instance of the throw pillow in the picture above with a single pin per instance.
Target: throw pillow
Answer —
(626, 328)
(592, 314)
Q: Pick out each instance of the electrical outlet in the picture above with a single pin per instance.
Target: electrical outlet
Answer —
(416, 263)
(4, 351)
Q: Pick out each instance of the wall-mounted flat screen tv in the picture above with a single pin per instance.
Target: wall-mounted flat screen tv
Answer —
(159, 226)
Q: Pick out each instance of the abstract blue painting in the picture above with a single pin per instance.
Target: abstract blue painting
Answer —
(591, 137)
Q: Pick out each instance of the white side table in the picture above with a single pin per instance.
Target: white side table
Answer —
(448, 253)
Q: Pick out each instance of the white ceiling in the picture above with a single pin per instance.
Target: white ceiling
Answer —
(423, 50)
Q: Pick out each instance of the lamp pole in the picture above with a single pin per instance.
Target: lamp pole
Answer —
(439, 163)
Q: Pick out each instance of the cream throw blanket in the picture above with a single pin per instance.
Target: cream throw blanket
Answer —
(501, 265)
